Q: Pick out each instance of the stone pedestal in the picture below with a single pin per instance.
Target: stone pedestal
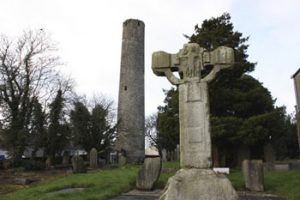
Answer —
(198, 184)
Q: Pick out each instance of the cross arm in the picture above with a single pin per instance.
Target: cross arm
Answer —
(222, 57)
(163, 64)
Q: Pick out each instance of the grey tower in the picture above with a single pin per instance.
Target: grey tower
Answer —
(131, 105)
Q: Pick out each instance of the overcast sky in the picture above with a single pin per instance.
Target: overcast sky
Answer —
(89, 33)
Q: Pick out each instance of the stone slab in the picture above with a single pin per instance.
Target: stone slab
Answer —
(149, 173)
(281, 167)
(253, 172)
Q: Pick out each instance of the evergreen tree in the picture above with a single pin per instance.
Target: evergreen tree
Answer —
(92, 130)
(37, 127)
(168, 121)
(58, 130)
(81, 126)
(242, 111)
(102, 130)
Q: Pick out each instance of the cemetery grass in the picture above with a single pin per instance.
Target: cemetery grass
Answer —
(100, 185)
(282, 183)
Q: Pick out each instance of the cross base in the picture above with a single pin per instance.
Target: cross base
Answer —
(198, 184)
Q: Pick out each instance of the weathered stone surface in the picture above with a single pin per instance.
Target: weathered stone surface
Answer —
(195, 143)
(149, 173)
(78, 164)
(131, 114)
(93, 158)
(253, 172)
(151, 152)
(281, 166)
(198, 184)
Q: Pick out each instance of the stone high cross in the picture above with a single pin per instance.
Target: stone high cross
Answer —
(195, 139)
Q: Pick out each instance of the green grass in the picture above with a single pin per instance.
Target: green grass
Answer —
(105, 184)
(283, 183)
(170, 168)
(99, 185)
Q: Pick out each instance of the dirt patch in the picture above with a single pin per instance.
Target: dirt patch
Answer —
(12, 180)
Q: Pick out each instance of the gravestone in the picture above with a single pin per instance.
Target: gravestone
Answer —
(196, 181)
(78, 164)
(253, 172)
(150, 170)
(93, 158)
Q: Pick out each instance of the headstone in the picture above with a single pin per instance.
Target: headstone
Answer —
(121, 159)
(253, 172)
(131, 112)
(66, 159)
(281, 166)
(78, 164)
(196, 181)
(93, 158)
(48, 162)
(149, 173)
(164, 155)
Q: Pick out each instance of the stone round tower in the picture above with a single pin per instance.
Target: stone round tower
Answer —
(131, 104)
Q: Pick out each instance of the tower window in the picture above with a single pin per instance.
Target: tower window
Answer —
(125, 88)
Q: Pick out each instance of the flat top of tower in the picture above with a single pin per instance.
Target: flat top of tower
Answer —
(137, 21)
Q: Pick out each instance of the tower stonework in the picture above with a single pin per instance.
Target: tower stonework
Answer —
(131, 104)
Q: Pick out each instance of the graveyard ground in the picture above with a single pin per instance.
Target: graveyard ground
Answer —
(105, 184)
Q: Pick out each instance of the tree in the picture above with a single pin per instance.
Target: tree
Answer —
(242, 111)
(150, 130)
(81, 125)
(58, 130)
(241, 108)
(103, 132)
(27, 68)
(168, 121)
(37, 127)
(93, 129)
